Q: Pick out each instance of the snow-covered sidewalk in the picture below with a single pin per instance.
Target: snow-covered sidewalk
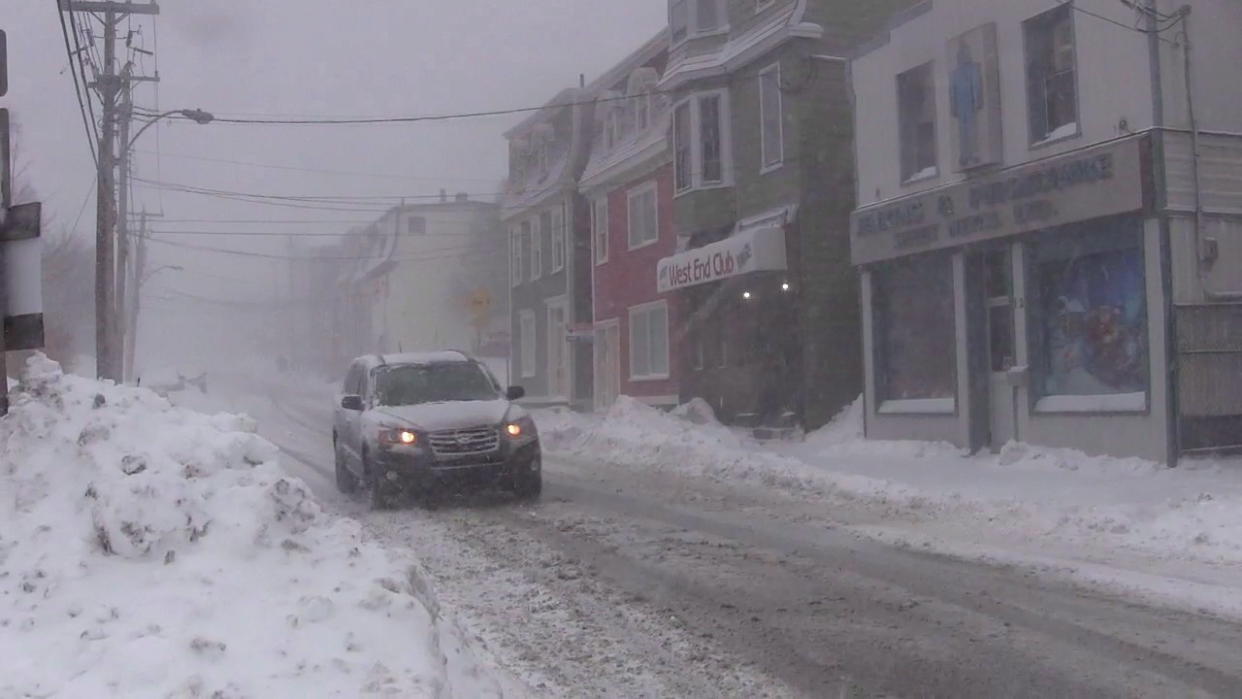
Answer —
(1174, 535)
(148, 550)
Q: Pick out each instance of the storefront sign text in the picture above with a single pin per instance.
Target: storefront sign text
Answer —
(1100, 181)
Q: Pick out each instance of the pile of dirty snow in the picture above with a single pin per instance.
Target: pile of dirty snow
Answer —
(151, 551)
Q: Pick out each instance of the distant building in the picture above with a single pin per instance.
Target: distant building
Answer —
(628, 185)
(1050, 244)
(422, 277)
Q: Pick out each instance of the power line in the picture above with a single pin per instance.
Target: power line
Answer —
(77, 44)
(304, 234)
(447, 253)
(77, 87)
(1157, 32)
(324, 171)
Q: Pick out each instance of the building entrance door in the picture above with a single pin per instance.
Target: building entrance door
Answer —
(999, 308)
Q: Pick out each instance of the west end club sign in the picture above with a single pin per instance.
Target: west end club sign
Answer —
(1100, 181)
(755, 250)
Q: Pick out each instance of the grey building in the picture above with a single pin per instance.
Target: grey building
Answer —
(548, 228)
(1050, 226)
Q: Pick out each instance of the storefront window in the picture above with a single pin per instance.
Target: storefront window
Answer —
(915, 343)
(1092, 312)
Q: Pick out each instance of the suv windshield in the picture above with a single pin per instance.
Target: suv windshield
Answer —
(434, 383)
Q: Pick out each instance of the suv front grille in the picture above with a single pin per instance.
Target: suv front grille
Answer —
(475, 440)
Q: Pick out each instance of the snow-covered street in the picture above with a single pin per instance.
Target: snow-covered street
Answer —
(675, 559)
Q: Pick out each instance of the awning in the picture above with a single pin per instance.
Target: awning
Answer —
(757, 249)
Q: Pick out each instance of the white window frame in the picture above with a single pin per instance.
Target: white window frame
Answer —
(767, 164)
(516, 272)
(642, 190)
(696, 146)
(645, 309)
(529, 342)
(599, 229)
(536, 248)
(558, 239)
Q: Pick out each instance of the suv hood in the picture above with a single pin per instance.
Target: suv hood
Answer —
(431, 417)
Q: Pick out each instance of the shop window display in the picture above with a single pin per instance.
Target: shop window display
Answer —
(1092, 316)
(915, 325)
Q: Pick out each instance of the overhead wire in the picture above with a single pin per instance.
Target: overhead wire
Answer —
(325, 171)
(74, 65)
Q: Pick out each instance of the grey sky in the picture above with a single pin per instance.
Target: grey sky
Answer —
(312, 58)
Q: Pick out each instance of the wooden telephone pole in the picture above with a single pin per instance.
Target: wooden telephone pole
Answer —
(111, 86)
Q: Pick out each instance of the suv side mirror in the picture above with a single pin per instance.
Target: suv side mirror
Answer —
(515, 393)
(353, 403)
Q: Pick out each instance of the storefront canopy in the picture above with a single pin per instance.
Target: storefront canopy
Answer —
(757, 249)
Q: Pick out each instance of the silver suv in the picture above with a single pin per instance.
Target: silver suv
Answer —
(421, 423)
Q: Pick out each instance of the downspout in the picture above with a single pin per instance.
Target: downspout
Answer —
(1205, 255)
(1172, 374)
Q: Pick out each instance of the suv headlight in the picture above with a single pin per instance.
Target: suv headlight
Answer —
(397, 436)
(519, 428)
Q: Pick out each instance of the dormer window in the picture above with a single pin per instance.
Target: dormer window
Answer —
(689, 18)
(642, 111)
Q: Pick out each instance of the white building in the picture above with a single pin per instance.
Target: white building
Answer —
(1050, 224)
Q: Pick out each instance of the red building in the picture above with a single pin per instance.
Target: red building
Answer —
(628, 182)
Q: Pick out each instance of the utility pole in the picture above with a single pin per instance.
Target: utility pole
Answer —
(135, 299)
(120, 302)
(109, 86)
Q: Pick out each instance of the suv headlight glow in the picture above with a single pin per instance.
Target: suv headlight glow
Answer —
(398, 436)
(521, 427)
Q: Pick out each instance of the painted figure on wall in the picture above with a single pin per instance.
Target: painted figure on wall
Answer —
(966, 101)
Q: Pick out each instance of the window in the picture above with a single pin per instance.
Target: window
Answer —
(916, 115)
(558, 239)
(770, 117)
(1052, 96)
(683, 147)
(416, 225)
(516, 272)
(527, 330)
(644, 218)
(709, 16)
(701, 142)
(649, 342)
(678, 19)
(695, 18)
(536, 245)
(612, 130)
(642, 111)
(1091, 328)
(599, 228)
(914, 330)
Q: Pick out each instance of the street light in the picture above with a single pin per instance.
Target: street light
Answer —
(121, 344)
(197, 116)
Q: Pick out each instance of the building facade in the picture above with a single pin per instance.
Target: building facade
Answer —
(444, 285)
(548, 226)
(1049, 227)
(762, 183)
(628, 185)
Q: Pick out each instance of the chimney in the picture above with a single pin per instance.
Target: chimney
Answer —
(462, 197)
(443, 195)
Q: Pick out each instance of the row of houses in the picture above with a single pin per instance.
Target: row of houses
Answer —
(995, 221)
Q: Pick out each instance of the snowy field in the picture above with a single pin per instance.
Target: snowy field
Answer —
(147, 550)
(1171, 535)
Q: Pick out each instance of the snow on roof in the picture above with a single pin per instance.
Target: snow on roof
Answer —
(425, 357)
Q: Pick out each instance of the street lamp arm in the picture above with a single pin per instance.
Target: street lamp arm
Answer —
(195, 115)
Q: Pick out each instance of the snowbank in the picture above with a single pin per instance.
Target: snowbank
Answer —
(147, 550)
(1029, 502)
